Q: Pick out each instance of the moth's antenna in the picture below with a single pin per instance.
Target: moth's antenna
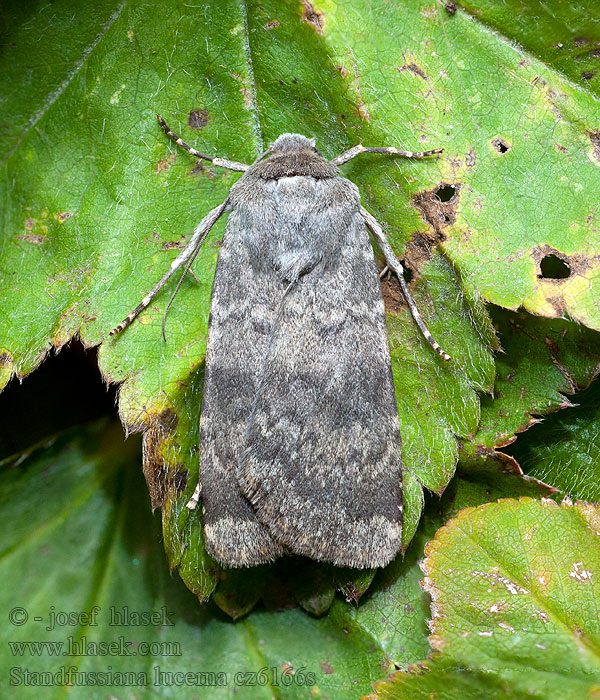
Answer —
(190, 251)
(357, 150)
(221, 162)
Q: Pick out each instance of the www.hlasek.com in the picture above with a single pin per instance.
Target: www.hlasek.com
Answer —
(71, 676)
(85, 647)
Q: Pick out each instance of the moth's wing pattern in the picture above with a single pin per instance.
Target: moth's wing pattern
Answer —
(322, 463)
(242, 310)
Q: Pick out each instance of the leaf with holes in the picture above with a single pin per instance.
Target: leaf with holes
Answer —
(93, 229)
(98, 202)
(515, 606)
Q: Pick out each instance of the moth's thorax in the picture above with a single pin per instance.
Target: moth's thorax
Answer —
(293, 154)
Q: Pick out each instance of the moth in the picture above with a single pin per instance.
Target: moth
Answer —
(300, 446)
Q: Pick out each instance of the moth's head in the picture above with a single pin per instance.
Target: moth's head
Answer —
(290, 155)
(292, 143)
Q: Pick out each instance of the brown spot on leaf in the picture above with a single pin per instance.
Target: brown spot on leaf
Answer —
(393, 299)
(198, 118)
(471, 159)
(247, 97)
(580, 41)
(451, 7)
(31, 238)
(5, 359)
(63, 216)
(164, 164)
(438, 207)
(594, 137)
(201, 169)
(272, 24)
(312, 16)
(414, 69)
(326, 667)
(588, 74)
(558, 304)
(419, 250)
(172, 245)
(155, 470)
(180, 479)
(169, 420)
(153, 465)
(552, 100)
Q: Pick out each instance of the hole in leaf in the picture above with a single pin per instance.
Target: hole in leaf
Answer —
(445, 193)
(500, 146)
(554, 268)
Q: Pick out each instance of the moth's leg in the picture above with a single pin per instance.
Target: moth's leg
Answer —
(221, 162)
(191, 272)
(395, 265)
(357, 150)
(194, 500)
(188, 254)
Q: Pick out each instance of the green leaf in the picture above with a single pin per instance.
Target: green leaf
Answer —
(514, 603)
(91, 247)
(98, 202)
(542, 360)
(565, 37)
(566, 453)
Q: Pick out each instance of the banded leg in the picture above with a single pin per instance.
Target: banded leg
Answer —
(190, 251)
(195, 499)
(395, 265)
(357, 150)
(221, 162)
